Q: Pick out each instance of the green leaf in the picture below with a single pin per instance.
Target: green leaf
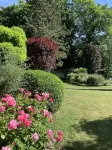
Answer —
(2, 136)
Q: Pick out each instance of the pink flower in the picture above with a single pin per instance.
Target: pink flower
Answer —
(28, 93)
(60, 133)
(30, 109)
(60, 136)
(21, 112)
(21, 118)
(12, 125)
(6, 148)
(21, 90)
(38, 97)
(27, 123)
(45, 95)
(51, 100)
(35, 137)
(4, 99)
(45, 112)
(9, 100)
(2, 108)
(50, 134)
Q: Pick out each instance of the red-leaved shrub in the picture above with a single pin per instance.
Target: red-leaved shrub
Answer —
(42, 52)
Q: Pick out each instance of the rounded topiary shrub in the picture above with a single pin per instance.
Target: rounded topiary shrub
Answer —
(41, 81)
(95, 80)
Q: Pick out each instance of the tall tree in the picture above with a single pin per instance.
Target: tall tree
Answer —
(91, 25)
(40, 18)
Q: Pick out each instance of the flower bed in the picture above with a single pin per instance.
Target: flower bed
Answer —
(25, 123)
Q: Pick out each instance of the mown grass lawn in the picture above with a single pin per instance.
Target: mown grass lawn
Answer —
(85, 117)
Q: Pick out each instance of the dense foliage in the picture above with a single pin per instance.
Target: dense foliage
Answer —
(12, 42)
(95, 80)
(42, 53)
(25, 123)
(77, 76)
(10, 78)
(38, 18)
(90, 24)
(92, 58)
(80, 76)
(41, 81)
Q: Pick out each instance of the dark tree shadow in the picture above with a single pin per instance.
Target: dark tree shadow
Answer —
(102, 129)
(90, 89)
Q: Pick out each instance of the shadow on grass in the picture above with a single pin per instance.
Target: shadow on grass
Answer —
(90, 89)
(102, 129)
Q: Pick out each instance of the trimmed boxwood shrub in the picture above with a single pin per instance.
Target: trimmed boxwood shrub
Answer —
(41, 81)
(95, 80)
(16, 38)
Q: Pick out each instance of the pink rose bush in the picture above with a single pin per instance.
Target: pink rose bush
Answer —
(25, 122)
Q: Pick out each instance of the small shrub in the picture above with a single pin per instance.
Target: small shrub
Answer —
(80, 70)
(108, 82)
(41, 81)
(95, 80)
(10, 78)
(26, 124)
(77, 78)
(42, 53)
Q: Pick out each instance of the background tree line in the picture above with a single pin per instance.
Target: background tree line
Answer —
(82, 29)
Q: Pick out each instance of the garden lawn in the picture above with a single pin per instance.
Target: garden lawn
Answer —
(85, 117)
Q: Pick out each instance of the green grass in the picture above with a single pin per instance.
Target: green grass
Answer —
(85, 117)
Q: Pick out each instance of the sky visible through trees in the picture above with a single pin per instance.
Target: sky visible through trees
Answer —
(9, 2)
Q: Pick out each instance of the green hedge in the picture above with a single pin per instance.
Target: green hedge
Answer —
(95, 80)
(16, 38)
(8, 52)
(77, 78)
(41, 81)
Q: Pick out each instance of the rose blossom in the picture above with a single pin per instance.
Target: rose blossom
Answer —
(2, 108)
(28, 93)
(30, 109)
(6, 148)
(45, 95)
(51, 100)
(38, 97)
(9, 100)
(45, 112)
(35, 137)
(22, 113)
(27, 123)
(21, 90)
(50, 134)
(12, 125)
(60, 136)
